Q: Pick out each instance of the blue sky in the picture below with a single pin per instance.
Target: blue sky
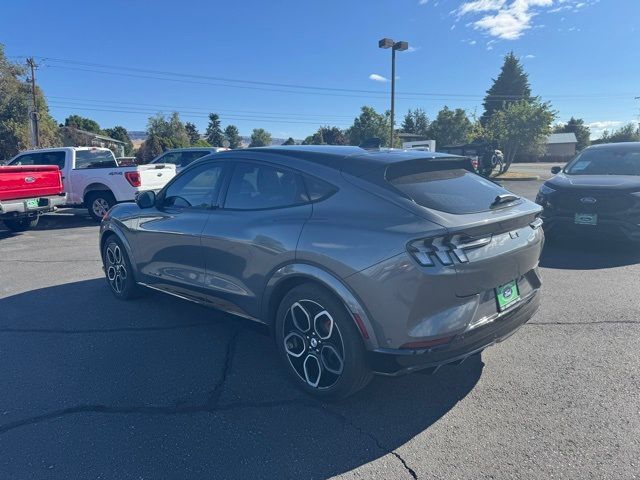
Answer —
(582, 55)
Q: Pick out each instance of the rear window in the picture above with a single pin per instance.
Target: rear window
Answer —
(453, 190)
(95, 159)
(606, 161)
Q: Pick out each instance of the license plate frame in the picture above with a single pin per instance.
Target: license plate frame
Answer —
(31, 204)
(585, 219)
(507, 295)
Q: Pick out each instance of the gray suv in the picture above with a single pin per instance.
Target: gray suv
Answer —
(359, 261)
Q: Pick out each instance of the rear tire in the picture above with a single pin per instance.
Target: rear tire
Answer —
(118, 271)
(22, 224)
(319, 344)
(98, 203)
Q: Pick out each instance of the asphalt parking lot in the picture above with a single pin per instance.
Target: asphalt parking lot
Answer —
(160, 388)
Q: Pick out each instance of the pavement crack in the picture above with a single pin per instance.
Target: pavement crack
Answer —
(105, 330)
(345, 420)
(229, 355)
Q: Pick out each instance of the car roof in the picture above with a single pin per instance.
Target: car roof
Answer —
(618, 146)
(353, 160)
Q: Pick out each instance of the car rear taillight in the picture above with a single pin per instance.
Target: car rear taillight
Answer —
(445, 249)
(133, 178)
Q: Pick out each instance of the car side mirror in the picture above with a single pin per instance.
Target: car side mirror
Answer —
(556, 170)
(146, 199)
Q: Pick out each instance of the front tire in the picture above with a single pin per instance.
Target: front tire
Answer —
(22, 224)
(118, 271)
(319, 343)
(98, 203)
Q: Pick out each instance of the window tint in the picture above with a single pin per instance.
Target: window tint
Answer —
(41, 158)
(195, 189)
(607, 161)
(256, 187)
(189, 157)
(454, 191)
(170, 157)
(95, 159)
(317, 189)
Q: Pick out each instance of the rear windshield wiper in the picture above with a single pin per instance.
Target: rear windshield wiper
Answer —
(505, 198)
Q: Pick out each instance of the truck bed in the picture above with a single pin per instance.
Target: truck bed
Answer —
(29, 181)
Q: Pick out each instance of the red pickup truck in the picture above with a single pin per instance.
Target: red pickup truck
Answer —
(26, 192)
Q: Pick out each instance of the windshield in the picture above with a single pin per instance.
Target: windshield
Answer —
(606, 161)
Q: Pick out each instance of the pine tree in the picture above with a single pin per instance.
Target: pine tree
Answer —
(214, 133)
(577, 126)
(192, 131)
(233, 136)
(512, 85)
(289, 141)
(408, 125)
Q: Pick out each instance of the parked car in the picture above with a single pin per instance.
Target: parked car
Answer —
(359, 261)
(182, 157)
(126, 161)
(597, 194)
(92, 177)
(28, 192)
(484, 157)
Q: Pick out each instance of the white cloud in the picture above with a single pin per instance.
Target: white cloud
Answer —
(529, 56)
(597, 128)
(378, 78)
(412, 49)
(509, 19)
(423, 2)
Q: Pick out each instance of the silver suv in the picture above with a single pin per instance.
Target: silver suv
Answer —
(360, 261)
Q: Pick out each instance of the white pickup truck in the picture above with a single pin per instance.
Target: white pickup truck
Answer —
(92, 177)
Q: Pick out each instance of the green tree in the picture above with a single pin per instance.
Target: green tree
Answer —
(369, 124)
(328, 136)
(450, 127)
(153, 146)
(628, 133)
(169, 128)
(511, 86)
(520, 127)
(214, 134)
(260, 138)
(15, 106)
(577, 126)
(289, 141)
(120, 133)
(415, 122)
(82, 123)
(233, 136)
(192, 133)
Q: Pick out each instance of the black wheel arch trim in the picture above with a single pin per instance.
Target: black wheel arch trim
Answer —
(333, 284)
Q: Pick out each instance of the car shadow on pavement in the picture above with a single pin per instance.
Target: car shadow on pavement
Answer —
(161, 388)
(66, 219)
(588, 254)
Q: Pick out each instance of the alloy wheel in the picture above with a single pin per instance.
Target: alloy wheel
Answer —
(116, 268)
(100, 207)
(313, 344)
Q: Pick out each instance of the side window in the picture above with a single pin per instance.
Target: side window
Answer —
(95, 159)
(41, 158)
(189, 157)
(257, 187)
(196, 189)
(317, 189)
(171, 157)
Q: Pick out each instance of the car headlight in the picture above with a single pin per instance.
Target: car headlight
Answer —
(545, 190)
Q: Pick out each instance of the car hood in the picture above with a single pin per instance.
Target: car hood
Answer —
(563, 181)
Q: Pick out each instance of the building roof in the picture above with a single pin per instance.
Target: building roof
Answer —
(562, 138)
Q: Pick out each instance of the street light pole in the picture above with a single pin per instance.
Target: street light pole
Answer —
(394, 46)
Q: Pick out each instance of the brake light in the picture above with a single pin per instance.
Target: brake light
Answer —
(133, 178)
(445, 249)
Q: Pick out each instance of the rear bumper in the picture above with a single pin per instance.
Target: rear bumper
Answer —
(18, 208)
(393, 362)
(607, 227)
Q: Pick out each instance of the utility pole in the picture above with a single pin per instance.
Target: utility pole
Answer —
(36, 127)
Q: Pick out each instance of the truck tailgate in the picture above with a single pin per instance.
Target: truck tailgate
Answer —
(154, 177)
(29, 181)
